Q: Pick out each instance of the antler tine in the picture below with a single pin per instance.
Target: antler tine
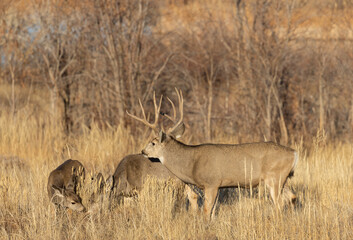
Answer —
(162, 127)
(181, 103)
(174, 112)
(144, 119)
(156, 109)
(143, 110)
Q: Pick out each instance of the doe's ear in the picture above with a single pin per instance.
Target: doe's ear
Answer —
(110, 182)
(100, 181)
(100, 177)
(57, 191)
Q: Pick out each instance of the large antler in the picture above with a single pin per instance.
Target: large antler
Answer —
(157, 109)
(173, 119)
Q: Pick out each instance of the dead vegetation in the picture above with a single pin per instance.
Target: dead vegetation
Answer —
(322, 183)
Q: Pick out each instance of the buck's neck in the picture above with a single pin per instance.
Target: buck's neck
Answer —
(178, 158)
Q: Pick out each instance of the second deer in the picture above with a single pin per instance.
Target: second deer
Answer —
(132, 172)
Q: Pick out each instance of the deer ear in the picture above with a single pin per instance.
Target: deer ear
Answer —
(178, 131)
(162, 136)
(110, 182)
(100, 177)
(57, 191)
(100, 181)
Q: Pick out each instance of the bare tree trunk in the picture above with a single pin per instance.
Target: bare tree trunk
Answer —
(209, 110)
(321, 97)
(116, 64)
(53, 101)
(321, 108)
(135, 56)
(13, 99)
(351, 116)
(282, 124)
(268, 116)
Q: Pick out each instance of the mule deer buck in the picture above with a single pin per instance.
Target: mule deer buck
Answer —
(62, 185)
(133, 170)
(213, 166)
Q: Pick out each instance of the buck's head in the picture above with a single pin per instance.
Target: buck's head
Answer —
(156, 148)
(68, 199)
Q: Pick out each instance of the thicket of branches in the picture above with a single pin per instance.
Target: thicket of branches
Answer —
(253, 74)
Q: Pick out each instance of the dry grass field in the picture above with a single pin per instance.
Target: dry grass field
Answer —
(30, 148)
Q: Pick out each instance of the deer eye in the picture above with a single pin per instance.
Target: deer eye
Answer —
(73, 203)
(153, 144)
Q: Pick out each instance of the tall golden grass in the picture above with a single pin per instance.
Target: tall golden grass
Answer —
(30, 147)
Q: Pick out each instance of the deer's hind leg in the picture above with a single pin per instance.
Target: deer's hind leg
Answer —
(280, 195)
(274, 186)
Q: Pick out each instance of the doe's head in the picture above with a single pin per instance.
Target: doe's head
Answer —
(68, 199)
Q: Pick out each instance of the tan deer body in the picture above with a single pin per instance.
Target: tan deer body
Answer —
(132, 172)
(62, 183)
(225, 165)
(212, 166)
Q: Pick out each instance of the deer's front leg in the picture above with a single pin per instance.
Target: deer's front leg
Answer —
(210, 197)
